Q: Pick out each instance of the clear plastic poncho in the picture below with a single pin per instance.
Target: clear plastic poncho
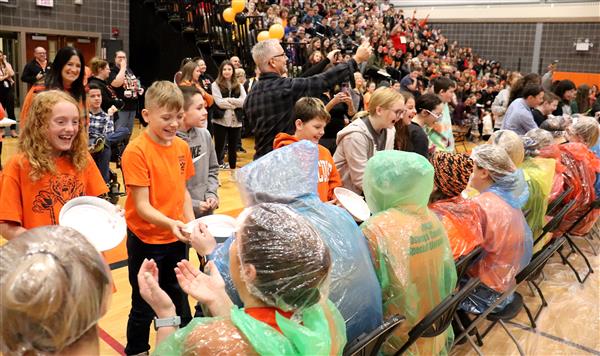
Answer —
(580, 173)
(462, 220)
(553, 152)
(411, 252)
(288, 175)
(507, 238)
(596, 150)
(291, 264)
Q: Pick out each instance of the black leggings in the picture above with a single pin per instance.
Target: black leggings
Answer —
(232, 134)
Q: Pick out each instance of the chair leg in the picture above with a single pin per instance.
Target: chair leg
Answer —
(531, 318)
(469, 340)
(588, 238)
(532, 292)
(512, 337)
(575, 248)
(544, 302)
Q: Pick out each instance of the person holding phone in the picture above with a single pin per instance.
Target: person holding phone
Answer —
(341, 109)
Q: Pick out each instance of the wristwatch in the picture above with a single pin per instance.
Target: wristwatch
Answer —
(163, 322)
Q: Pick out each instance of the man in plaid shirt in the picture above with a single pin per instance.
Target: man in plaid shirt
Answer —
(102, 135)
(270, 103)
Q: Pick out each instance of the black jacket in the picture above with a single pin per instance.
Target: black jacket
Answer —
(31, 70)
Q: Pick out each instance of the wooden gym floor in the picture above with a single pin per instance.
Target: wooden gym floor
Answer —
(569, 326)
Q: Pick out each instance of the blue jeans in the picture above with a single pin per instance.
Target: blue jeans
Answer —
(102, 158)
(125, 119)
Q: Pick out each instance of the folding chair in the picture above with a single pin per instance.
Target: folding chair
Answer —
(369, 344)
(466, 261)
(439, 318)
(552, 206)
(460, 136)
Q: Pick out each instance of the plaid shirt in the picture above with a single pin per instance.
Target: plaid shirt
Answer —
(101, 125)
(268, 107)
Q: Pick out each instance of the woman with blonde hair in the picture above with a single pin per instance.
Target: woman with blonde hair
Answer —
(190, 76)
(54, 288)
(359, 141)
(52, 167)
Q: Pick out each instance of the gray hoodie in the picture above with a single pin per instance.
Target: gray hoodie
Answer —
(205, 182)
(355, 145)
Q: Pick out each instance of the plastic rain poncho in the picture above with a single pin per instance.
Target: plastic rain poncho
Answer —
(289, 175)
(412, 255)
(507, 240)
(291, 264)
(462, 220)
(539, 174)
(581, 169)
(553, 152)
(596, 150)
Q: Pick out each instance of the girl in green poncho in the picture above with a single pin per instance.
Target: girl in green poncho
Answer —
(410, 249)
(278, 264)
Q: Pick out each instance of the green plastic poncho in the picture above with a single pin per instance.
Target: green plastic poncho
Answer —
(539, 174)
(242, 334)
(412, 256)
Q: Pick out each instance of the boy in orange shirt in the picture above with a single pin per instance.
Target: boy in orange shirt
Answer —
(156, 166)
(311, 118)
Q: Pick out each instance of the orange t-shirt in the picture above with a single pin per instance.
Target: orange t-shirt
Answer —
(164, 170)
(329, 177)
(38, 203)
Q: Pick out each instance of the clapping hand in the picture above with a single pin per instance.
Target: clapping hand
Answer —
(208, 289)
(151, 292)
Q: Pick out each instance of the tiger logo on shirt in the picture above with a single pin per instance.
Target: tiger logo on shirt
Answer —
(181, 164)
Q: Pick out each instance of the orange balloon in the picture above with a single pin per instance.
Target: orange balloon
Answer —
(262, 36)
(276, 31)
(238, 6)
(228, 15)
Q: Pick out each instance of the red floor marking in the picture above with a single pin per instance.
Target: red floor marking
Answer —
(112, 342)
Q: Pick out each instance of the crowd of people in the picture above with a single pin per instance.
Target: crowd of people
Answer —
(375, 110)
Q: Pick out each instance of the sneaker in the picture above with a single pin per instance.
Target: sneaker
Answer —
(224, 166)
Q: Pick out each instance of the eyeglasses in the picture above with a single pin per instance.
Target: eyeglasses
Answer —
(436, 116)
(280, 55)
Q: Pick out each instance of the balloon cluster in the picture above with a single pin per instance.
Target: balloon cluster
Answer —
(233, 13)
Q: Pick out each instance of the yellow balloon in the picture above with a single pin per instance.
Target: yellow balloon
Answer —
(262, 36)
(228, 15)
(276, 31)
(238, 6)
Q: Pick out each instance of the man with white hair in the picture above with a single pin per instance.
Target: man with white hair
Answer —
(270, 103)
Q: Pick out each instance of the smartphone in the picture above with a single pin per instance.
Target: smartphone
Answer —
(345, 87)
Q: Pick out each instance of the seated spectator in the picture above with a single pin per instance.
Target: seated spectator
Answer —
(444, 88)
(341, 108)
(310, 120)
(538, 172)
(409, 82)
(354, 288)
(104, 140)
(500, 103)
(203, 185)
(507, 239)
(367, 96)
(409, 135)
(541, 112)
(566, 91)
(362, 138)
(409, 246)
(280, 265)
(54, 288)
(429, 111)
(581, 103)
(581, 169)
(461, 217)
(518, 117)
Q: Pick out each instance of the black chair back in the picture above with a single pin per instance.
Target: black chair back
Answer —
(369, 344)
(440, 317)
(466, 261)
(554, 223)
(539, 260)
(558, 200)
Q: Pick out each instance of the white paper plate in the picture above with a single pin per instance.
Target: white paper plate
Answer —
(96, 219)
(219, 225)
(7, 122)
(353, 202)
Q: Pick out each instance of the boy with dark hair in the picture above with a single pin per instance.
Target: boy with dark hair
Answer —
(444, 88)
(103, 138)
(310, 119)
(541, 112)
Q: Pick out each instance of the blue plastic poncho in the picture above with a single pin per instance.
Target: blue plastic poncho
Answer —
(289, 175)
(413, 258)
